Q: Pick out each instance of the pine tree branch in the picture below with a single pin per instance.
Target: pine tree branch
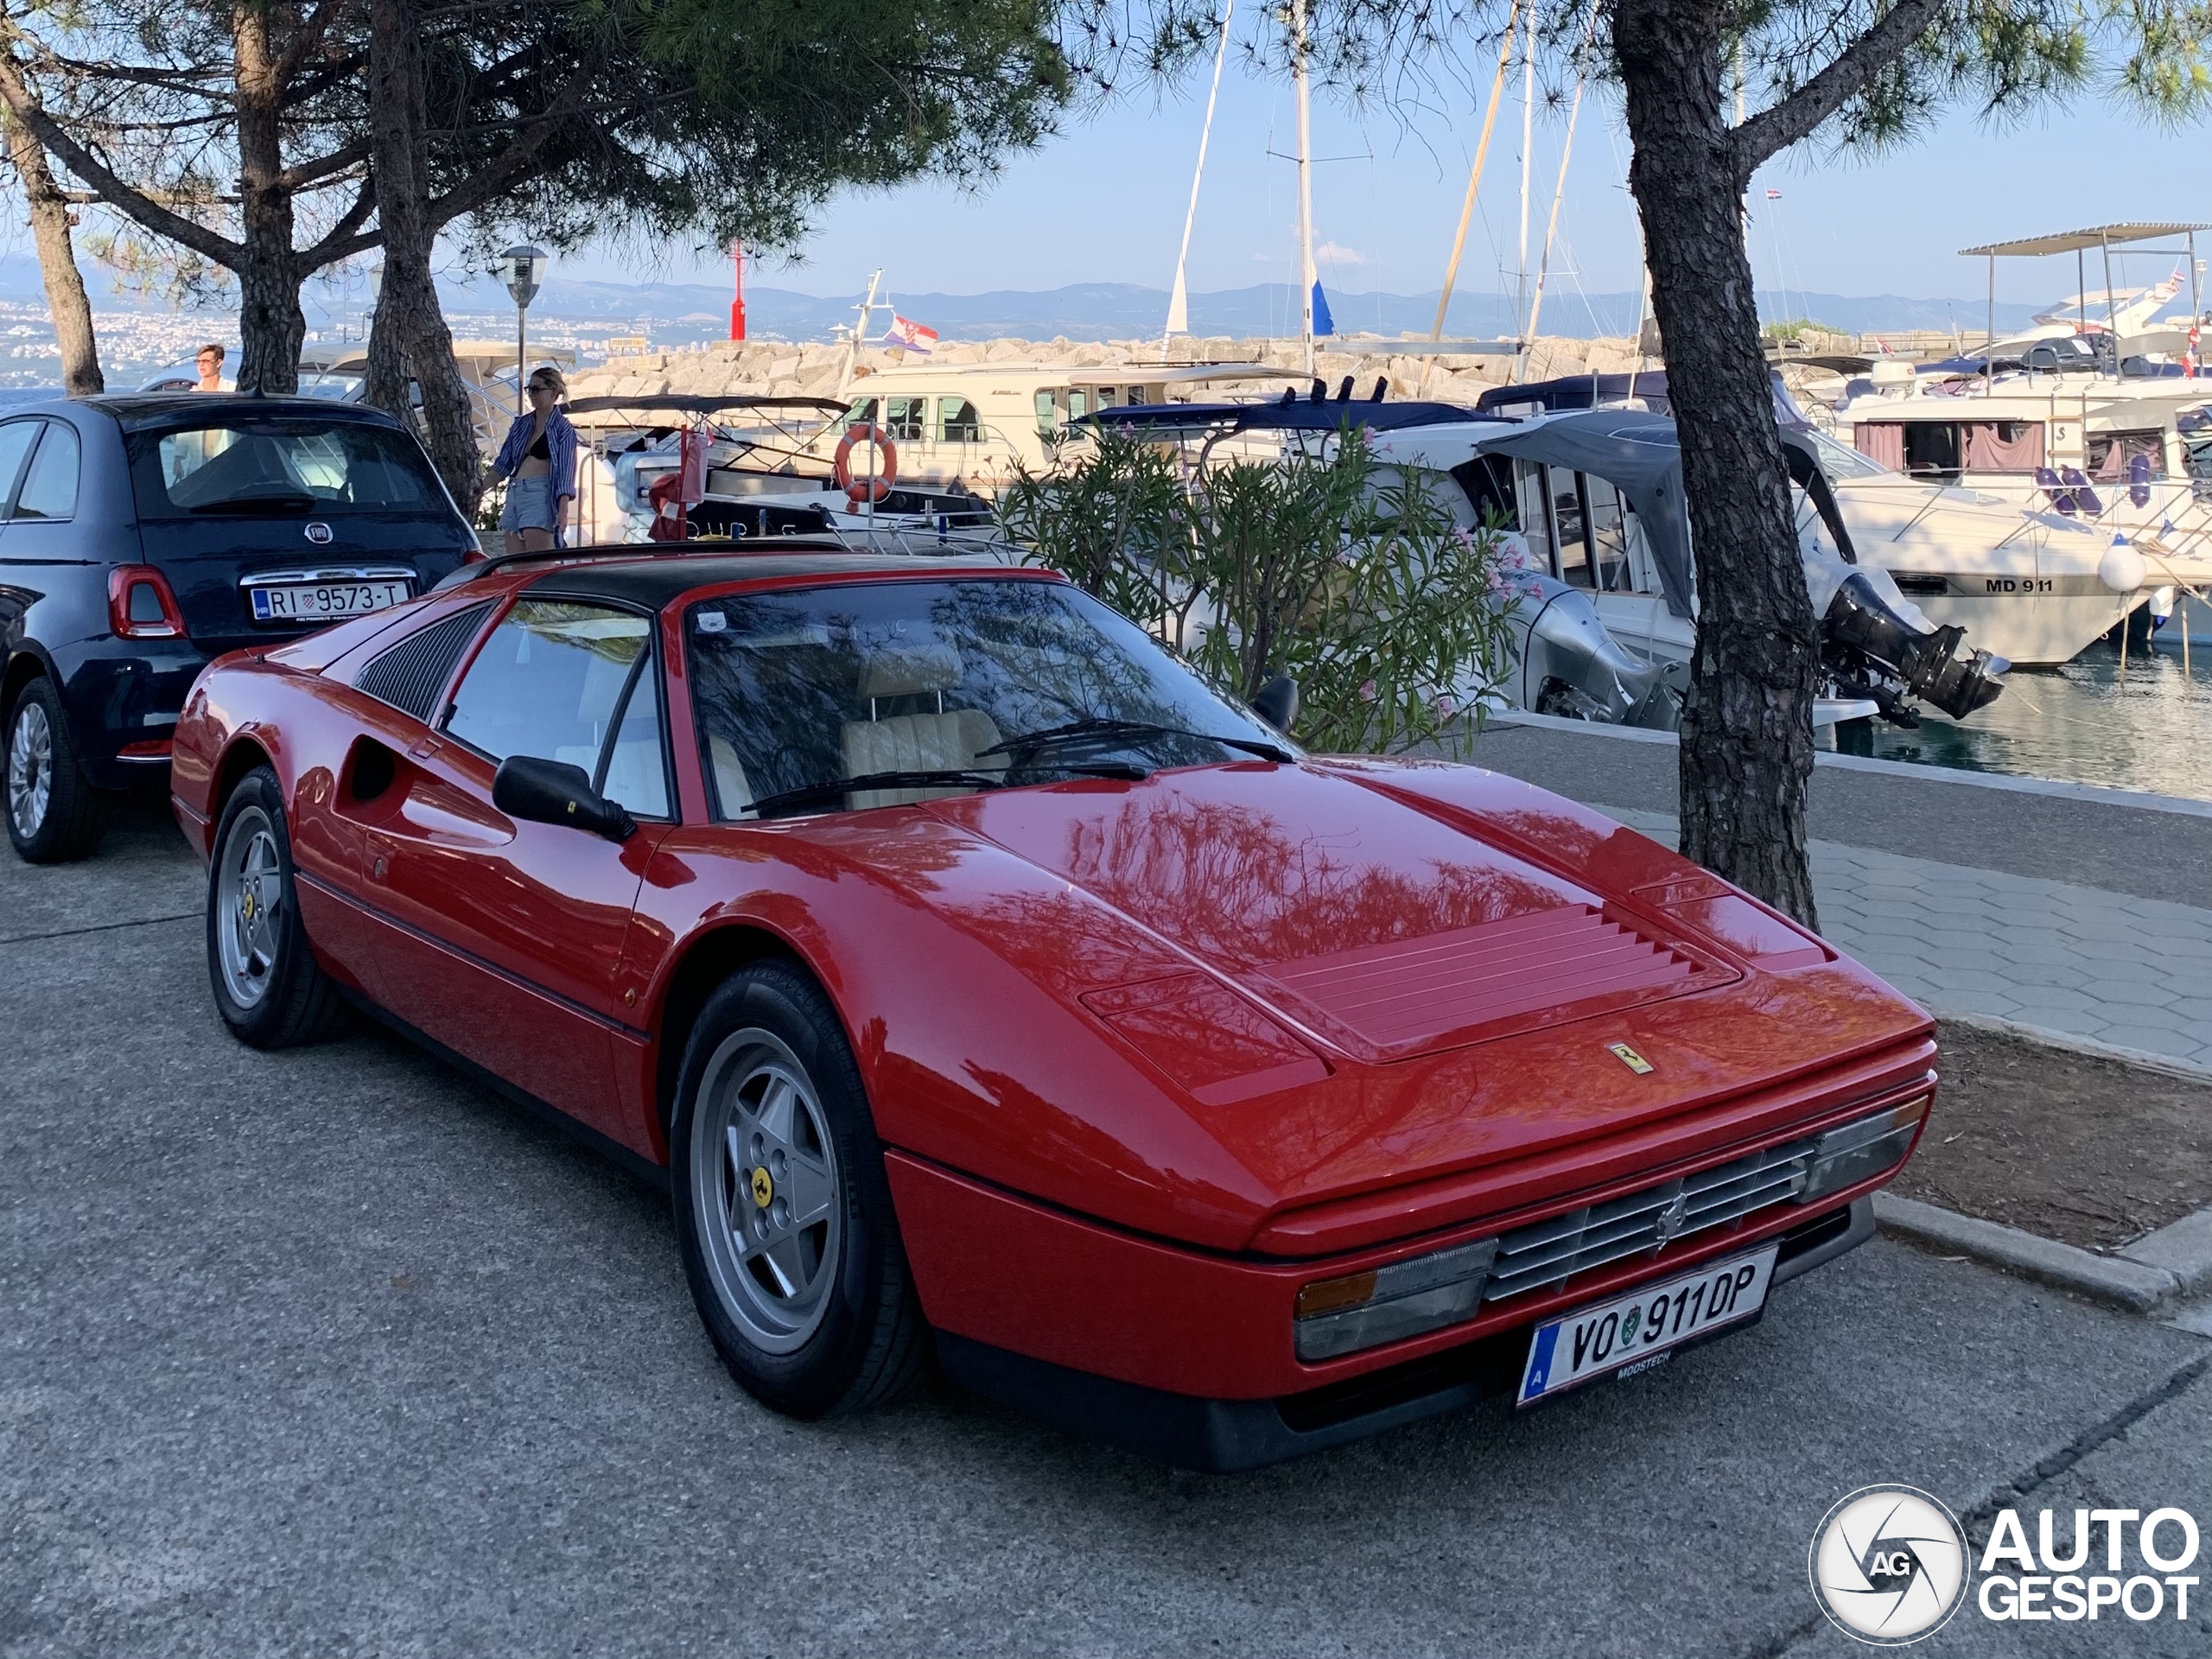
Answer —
(127, 199)
(1780, 125)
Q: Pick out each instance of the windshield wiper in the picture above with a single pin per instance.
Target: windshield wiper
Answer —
(1099, 729)
(286, 501)
(944, 777)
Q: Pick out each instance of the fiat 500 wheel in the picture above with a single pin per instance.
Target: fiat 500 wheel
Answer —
(783, 1212)
(53, 810)
(268, 987)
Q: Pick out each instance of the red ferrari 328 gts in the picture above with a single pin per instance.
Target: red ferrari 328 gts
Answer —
(981, 983)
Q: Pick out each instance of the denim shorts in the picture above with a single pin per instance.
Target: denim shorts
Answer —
(529, 503)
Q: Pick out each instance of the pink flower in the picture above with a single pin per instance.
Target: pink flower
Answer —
(1367, 691)
(1446, 705)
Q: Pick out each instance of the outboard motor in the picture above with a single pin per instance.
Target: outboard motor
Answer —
(1877, 653)
(1571, 665)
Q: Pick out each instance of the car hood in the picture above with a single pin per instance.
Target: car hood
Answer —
(1359, 915)
(1325, 983)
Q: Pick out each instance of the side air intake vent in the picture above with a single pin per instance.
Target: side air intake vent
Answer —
(410, 675)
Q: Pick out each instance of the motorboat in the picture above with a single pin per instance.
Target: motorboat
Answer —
(761, 475)
(974, 424)
(1589, 506)
(2028, 582)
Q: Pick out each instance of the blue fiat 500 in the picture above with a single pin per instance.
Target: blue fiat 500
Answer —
(141, 537)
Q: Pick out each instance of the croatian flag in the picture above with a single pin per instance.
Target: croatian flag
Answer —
(1774, 196)
(905, 330)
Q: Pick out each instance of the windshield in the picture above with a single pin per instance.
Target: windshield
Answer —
(1839, 462)
(795, 690)
(291, 466)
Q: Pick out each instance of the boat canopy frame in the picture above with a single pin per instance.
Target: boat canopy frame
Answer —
(2105, 237)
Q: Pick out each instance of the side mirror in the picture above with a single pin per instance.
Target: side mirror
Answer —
(1276, 702)
(553, 791)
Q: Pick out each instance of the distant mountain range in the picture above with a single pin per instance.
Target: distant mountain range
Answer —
(671, 312)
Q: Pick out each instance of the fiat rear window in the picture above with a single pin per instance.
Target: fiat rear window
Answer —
(231, 467)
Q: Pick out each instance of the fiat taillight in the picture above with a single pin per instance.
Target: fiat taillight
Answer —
(140, 604)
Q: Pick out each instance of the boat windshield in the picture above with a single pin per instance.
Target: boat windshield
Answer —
(948, 686)
(1839, 462)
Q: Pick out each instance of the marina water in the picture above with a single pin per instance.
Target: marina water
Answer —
(2086, 722)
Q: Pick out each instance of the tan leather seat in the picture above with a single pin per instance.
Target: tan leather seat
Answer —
(932, 739)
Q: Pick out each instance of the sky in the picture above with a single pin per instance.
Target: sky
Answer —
(1105, 202)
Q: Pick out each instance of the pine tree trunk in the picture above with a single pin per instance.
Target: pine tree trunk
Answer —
(57, 262)
(410, 332)
(271, 326)
(1747, 732)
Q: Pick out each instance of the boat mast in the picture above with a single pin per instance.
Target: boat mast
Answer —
(1178, 312)
(1475, 173)
(1527, 140)
(867, 309)
(1566, 153)
(1305, 173)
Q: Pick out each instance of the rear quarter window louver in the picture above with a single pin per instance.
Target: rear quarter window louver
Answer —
(410, 675)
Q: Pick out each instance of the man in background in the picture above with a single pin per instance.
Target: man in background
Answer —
(210, 362)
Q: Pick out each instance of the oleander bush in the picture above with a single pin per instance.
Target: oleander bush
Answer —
(1324, 564)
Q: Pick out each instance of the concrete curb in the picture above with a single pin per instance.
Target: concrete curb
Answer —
(2144, 1059)
(2183, 1248)
(2121, 1280)
(2100, 794)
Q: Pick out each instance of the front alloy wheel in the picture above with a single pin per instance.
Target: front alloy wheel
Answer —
(783, 1216)
(764, 1171)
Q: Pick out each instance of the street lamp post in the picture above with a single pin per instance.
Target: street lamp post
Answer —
(522, 269)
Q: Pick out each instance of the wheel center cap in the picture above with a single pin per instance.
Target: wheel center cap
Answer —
(763, 1188)
(245, 903)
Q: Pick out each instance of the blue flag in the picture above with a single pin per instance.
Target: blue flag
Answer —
(1323, 322)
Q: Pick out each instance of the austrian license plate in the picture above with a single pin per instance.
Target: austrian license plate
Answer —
(1643, 1328)
(323, 602)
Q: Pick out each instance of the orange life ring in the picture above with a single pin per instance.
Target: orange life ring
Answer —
(865, 487)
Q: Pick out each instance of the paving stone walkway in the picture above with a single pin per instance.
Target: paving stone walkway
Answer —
(2131, 972)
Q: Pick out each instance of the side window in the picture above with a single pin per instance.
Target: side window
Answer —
(904, 417)
(566, 681)
(957, 421)
(50, 487)
(15, 439)
(1078, 403)
(1608, 535)
(1534, 513)
(1048, 414)
(861, 413)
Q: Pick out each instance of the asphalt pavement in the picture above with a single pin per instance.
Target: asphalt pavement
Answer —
(332, 1353)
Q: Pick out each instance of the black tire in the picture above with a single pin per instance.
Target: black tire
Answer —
(268, 987)
(53, 810)
(851, 1335)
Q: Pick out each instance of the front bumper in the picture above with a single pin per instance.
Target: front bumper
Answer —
(1219, 1435)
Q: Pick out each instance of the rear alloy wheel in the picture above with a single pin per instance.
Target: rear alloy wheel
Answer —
(783, 1211)
(268, 987)
(54, 811)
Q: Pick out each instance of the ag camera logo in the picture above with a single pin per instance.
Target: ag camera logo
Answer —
(1889, 1564)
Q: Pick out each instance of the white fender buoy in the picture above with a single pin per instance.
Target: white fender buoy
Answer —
(2122, 567)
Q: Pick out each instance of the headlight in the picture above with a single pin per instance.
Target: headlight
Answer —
(1365, 1310)
(1858, 1150)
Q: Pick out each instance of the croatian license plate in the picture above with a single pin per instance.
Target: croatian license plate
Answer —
(1643, 1328)
(324, 602)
